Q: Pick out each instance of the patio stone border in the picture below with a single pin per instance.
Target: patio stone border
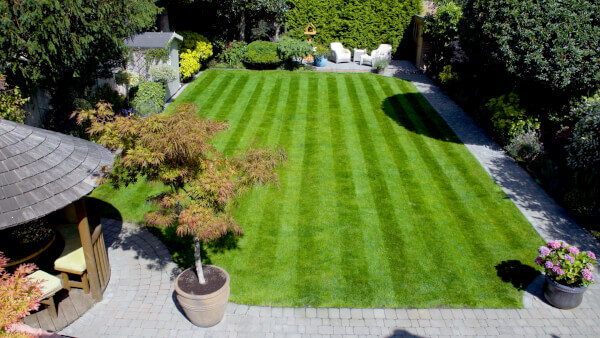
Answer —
(139, 300)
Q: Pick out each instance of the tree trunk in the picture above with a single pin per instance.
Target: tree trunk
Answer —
(199, 270)
(163, 21)
(243, 26)
(277, 29)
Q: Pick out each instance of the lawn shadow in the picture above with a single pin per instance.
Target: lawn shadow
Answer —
(516, 273)
(420, 118)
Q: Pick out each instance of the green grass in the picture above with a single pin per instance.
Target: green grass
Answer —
(379, 205)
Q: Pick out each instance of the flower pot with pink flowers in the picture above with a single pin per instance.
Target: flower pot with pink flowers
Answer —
(568, 273)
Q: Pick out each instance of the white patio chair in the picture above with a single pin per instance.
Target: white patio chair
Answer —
(339, 53)
(383, 52)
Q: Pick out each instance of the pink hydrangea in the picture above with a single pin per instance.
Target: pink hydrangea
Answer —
(570, 258)
(544, 251)
(587, 274)
(591, 254)
(557, 270)
(564, 244)
(590, 266)
(554, 244)
(549, 265)
(573, 250)
(538, 260)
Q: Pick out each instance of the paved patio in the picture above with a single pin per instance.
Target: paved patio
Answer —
(139, 299)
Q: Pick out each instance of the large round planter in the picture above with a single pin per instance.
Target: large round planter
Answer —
(562, 296)
(203, 305)
(320, 62)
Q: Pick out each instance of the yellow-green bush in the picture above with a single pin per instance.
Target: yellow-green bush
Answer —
(195, 49)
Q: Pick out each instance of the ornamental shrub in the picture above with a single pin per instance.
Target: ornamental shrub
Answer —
(289, 49)
(163, 73)
(448, 77)
(18, 295)
(526, 145)
(233, 54)
(149, 99)
(584, 149)
(195, 49)
(11, 102)
(567, 265)
(508, 118)
(127, 78)
(549, 43)
(356, 24)
(262, 54)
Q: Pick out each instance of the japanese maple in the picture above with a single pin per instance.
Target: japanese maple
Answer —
(18, 295)
(177, 151)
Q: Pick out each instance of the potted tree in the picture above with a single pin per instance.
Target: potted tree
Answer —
(177, 151)
(568, 273)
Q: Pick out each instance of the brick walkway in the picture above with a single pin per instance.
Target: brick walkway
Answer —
(139, 299)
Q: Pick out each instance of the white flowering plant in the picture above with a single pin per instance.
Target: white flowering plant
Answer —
(566, 265)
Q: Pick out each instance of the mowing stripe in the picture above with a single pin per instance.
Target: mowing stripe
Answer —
(264, 129)
(206, 108)
(379, 189)
(204, 81)
(232, 99)
(354, 267)
(274, 223)
(245, 117)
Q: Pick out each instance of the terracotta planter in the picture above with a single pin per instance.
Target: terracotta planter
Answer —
(562, 296)
(204, 305)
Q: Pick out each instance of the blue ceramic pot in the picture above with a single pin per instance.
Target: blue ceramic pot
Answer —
(320, 62)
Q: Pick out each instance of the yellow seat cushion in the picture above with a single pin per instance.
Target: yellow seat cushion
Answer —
(49, 284)
(74, 261)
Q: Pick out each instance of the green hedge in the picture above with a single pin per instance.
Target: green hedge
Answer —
(262, 54)
(356, 24)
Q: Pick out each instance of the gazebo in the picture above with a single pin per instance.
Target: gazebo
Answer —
(43, 171)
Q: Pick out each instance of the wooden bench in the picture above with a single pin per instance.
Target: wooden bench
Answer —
(50, 285)
(73, 263)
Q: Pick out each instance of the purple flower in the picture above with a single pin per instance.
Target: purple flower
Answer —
(549, 265)
(591, 254)
(570, 258)
(544, 251)
(573, 250)
(590, 266)
(565, 244)
(587, 274)
(557, 270)
(538, 260)
(554, 244)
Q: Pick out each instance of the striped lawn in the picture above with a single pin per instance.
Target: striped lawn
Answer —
(379, 205)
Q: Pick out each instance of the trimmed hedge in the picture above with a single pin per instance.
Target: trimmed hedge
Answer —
(262, 54)
(356, 24)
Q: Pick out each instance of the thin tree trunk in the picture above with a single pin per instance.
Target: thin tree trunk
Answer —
(199, 270)
(277, 29)
(243, 26)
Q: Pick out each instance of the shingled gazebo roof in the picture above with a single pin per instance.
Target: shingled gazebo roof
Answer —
(43, 171)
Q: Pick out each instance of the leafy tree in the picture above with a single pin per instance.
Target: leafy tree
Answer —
(177, 151)
(18, 295)
(550, 44)
(11, 102)
(441, 30)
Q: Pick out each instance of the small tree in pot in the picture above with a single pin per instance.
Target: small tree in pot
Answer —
(176, 150)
